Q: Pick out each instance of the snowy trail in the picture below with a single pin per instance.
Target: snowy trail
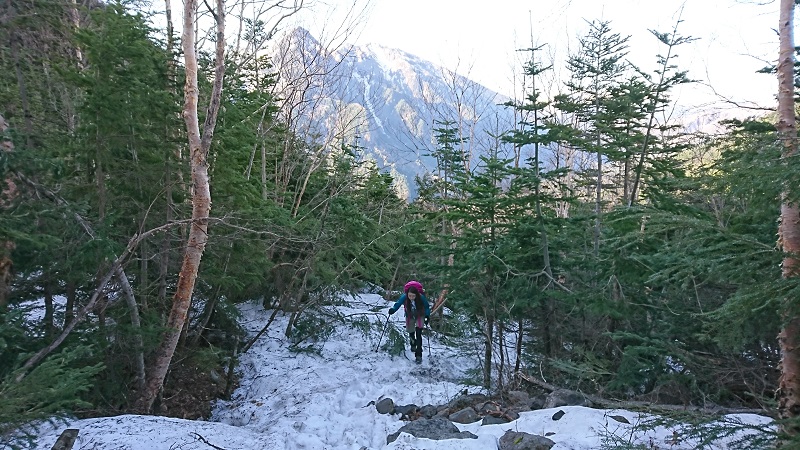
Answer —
(305, 401)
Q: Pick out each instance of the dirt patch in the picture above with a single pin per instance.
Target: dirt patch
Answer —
(189, 393)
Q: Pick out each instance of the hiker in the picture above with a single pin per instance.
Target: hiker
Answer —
(417, 309)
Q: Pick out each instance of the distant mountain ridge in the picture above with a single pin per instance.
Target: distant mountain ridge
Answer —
(387, 102)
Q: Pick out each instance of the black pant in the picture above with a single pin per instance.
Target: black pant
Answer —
(416, 341)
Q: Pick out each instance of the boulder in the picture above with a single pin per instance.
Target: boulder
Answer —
(465, 400)
(385, 406)
(492, 420)
(436, 429)
(538, 402)
(514, 440)
(565, 397)
(428, 411)
(518, 398)
(466, 415)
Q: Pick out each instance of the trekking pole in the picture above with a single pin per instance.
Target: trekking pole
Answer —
(384, 331)
(429, 341)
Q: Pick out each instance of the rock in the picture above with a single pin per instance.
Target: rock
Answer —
(492, 420)
(406, 410)
(518, 398)
(466, 415)
(538, 402)
(437, 429)
(558, 415)
(428, 411)
(385, 406)
(565, 397)
(514, 440)
(620, 419)
(489, 408)
(67, 438)
(463, 401)
(215, 377)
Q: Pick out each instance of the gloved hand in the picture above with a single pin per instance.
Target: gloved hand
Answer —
(427, 319)
(392, 311)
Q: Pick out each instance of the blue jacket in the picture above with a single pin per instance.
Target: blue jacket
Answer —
(400, 301)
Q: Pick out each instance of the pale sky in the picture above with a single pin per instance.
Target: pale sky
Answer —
(478, 38)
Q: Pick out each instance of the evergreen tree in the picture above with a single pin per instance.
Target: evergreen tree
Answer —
(595, 72)
(655, 156)
(478, 274)
(534, 191)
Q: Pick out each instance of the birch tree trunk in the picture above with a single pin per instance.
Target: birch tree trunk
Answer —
(789, 229)
(201, 195)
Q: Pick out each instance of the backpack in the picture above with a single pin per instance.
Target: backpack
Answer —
(416, 284)
(411, 307)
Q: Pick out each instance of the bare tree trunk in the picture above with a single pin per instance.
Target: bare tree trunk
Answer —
(136, 324)
(387, 292)
(231, 366)
(69, 307)
(547, 331)
(211, 305)
(164, 260)
(7, 192)
(487, 357)
(205, 318)
(298, 308)
(253, 340)
(14, 44)
(163, 268)
(101, 184)
(170, 39)
(789, 229)
(501, 348)
(49, 310)
(144, 278)
(598, 205)
(5, 273)
(518, 350)
(201, 195)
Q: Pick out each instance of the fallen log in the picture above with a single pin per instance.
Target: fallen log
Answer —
(648, 406)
